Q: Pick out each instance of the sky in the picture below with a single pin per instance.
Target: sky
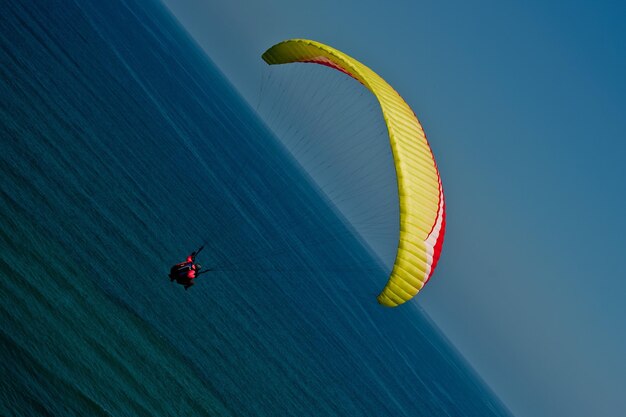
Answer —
(524, 105)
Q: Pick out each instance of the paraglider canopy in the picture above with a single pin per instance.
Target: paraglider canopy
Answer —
(422, 206)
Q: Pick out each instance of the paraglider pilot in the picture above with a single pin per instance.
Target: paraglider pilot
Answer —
(185, 272)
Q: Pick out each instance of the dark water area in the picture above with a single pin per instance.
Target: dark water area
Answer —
(122, 148)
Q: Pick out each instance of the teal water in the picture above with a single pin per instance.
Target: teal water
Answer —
(122, 147)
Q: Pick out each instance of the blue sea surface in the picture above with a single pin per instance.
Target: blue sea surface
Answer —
(122, 149)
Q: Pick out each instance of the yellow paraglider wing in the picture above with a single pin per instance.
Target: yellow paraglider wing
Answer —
(422, 208)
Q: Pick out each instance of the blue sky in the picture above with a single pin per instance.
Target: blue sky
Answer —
(524, 104)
